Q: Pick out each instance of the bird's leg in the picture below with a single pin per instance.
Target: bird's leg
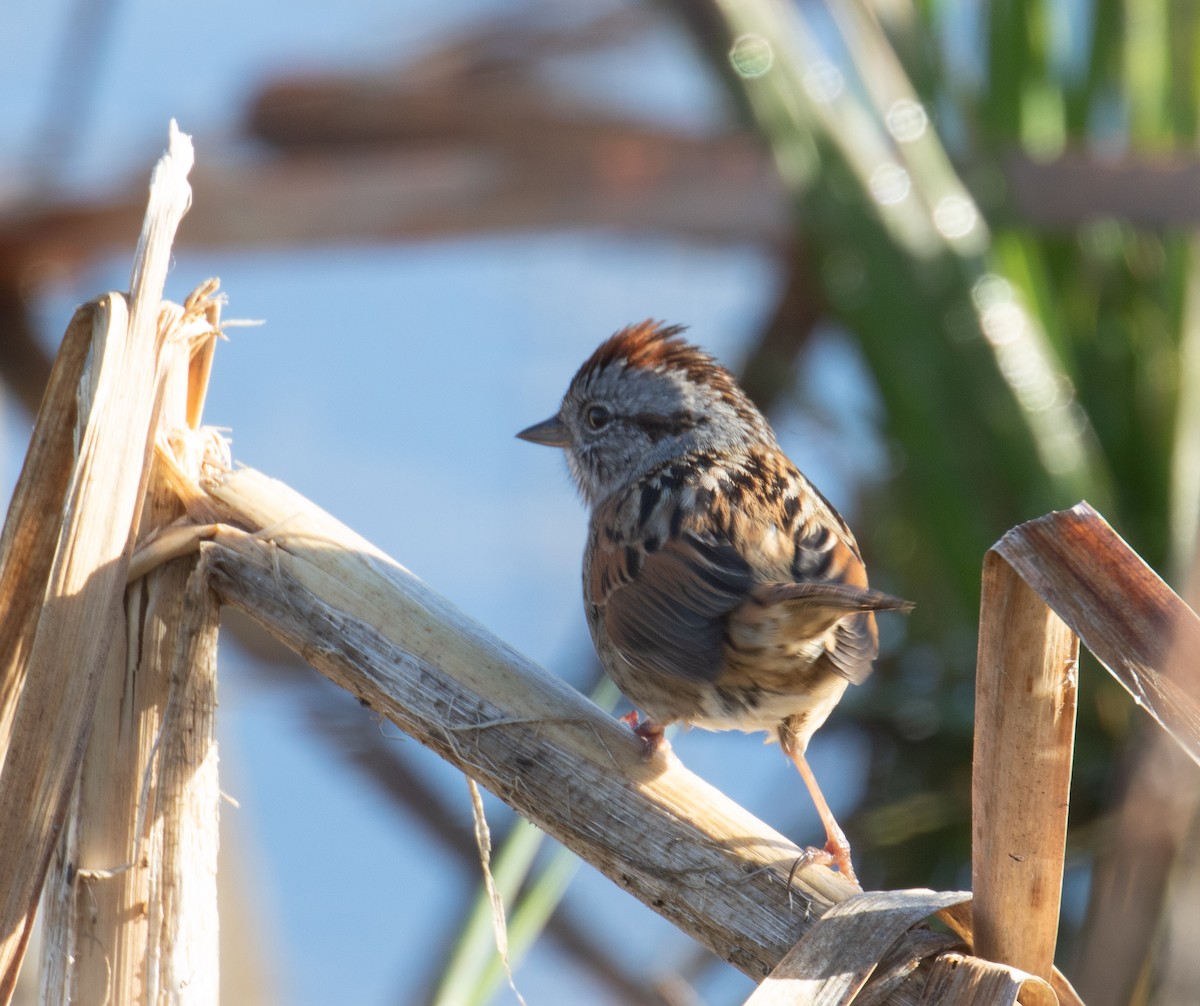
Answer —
(652, 735)
(837, 849)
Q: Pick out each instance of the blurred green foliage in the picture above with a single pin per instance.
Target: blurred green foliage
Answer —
(1021, 366)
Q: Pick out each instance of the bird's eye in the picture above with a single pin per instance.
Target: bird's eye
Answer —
(597, 417)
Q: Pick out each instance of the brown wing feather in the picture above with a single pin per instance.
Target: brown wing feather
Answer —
(855, 646)
(665, 576)
(669, 617)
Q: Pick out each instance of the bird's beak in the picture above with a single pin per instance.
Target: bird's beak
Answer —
(552, 432)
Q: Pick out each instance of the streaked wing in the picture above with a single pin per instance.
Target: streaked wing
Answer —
(855, 646)
(668, 614)
(664, 573)
(827, 560)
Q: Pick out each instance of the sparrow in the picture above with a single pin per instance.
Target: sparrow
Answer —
(722, 590)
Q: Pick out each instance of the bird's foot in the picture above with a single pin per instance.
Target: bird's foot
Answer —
(837, 849)
(651, 734)
(833, 855)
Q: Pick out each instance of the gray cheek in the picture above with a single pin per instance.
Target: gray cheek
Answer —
(588, 469)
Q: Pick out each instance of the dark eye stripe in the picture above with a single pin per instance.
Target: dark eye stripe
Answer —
(657, 426)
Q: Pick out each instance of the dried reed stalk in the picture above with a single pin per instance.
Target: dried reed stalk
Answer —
(34, 516)
(1025, 697)
(131, 901)
(1047, 581)
(58, 674)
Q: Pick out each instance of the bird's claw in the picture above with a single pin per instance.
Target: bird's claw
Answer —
(651, 734)
(832, 856)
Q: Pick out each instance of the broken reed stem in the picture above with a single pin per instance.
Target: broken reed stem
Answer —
(73, 631)
(130, 900)
(185, 813)
(31, 528)
(79, 589)
(1065, 573)
(1025, 698)
(184, 923)
(131, 897)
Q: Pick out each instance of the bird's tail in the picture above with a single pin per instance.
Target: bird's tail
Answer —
(832, 596)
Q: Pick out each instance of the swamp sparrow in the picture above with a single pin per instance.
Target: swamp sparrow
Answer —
(722, 589)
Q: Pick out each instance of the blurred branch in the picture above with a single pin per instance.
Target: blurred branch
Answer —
(84, 48)
(769, 369)
(628, 177)
(24, 365)
(470, 139)
(1154, 191)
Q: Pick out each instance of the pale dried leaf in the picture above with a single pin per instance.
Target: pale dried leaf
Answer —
(971, 981)
(1136, 625)
(833, 960)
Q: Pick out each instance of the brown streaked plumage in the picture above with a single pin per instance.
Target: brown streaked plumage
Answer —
(721, 588)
